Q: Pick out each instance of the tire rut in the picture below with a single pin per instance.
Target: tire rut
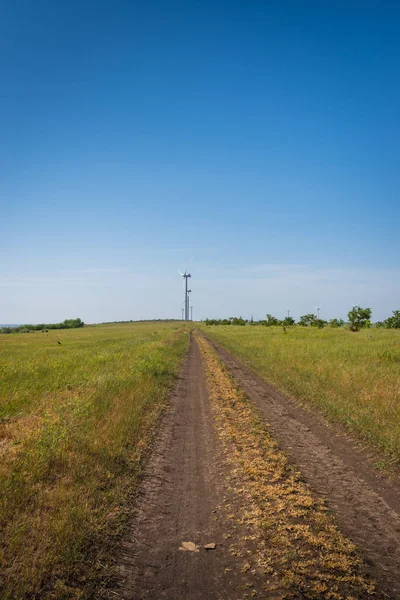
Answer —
(365, 504)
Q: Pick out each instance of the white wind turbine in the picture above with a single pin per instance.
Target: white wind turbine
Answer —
(317, 308)
(185, 276)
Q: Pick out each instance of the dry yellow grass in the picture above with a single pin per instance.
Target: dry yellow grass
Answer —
(75, 422)
(299, 548)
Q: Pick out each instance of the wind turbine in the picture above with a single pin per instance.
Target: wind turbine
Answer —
(185, 275)
(191, 313)
(317, 308)
(288, 312)
(189, 292)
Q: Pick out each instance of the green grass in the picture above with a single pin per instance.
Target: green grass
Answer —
(353, 378)
(76, 419)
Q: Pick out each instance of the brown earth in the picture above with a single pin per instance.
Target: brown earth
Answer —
(185, 497)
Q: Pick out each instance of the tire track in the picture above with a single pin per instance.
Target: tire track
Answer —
(365, 505)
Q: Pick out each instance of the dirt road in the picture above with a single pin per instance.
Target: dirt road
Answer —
(181, 501)
(187, 496)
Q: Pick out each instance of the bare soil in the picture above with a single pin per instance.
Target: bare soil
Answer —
(186, 497)
(365, 503)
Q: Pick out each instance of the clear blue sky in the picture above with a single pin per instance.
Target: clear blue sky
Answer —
(261, 138)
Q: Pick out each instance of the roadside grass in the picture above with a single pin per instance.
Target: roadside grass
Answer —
(353, 378)
(298, 547)
(76, 419)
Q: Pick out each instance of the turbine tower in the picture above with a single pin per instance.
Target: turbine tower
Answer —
(188, 303)
(185, 275)
(317, 309)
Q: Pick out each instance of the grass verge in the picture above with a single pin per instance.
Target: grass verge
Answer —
(300, 550)
(78, 410)
(353, 378)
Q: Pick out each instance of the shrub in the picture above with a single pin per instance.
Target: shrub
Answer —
(288, 322)
(394, 321)
(359, 318)
(336, 323)
(307, 320)
(270, 321)
(320, 323)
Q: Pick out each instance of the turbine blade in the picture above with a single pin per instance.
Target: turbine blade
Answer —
(188, 263)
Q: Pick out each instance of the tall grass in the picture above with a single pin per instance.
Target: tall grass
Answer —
(352, 377)
(76, 418)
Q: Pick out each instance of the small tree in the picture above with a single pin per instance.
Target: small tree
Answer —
(288, 321)
(359, 318)
(320, 323)
(272, 321)
(307, 320)
(238, 321)
(394, 321)
(336, 323)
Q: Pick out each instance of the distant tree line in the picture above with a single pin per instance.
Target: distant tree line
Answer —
(140, 321)
(358, 318)
(67, 324)
(392, 322)
(230, 321)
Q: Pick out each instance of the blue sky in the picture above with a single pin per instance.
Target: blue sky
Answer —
(261, 139)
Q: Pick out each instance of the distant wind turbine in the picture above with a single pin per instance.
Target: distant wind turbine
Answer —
(317, 308)
(185, 276)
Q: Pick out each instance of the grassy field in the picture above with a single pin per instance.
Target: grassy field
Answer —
(76, 418)
(352, 377)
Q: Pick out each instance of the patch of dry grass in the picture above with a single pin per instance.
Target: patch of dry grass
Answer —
(75, 422)
(300, 550)
(353, 378)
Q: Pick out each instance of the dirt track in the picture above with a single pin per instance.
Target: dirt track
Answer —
(186, 487)
(181, 500)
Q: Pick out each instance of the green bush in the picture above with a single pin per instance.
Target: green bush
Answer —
(336, 323)
(359, 318)
(394, 321)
